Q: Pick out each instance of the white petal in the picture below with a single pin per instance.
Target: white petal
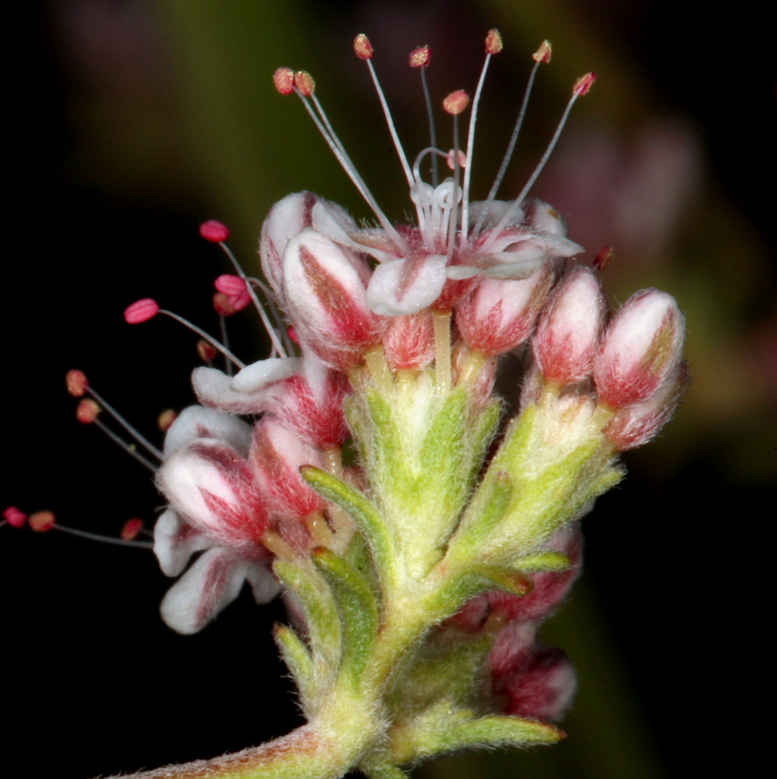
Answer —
(201, 422)
(212, 388)
(384, 288)
(263, 583)
(259, 374)
(175, 542)
(212, 583)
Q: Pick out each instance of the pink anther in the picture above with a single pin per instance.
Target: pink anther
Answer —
(87, 411)
(206, 352)
(283, 78)
(42, 521)
(583, 84)
(604, 257)
(362, 47)
(14, 516)
(76, 383)
(214, 231)
(543, 53)
(131, 529)
(456, 102)
(292, 333)
(141, 311)
(420, 57)
(303, 81)
(230, 284)
(494, 42)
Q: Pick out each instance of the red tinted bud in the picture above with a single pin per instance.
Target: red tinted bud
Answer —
(456, 102)
(283, 78)
(131, 529)
(641, 349)
(76, 383)
(304, 83)
(362, 47)
(214, 231)
(14, 517)
(41, 521)
(420, 57)
(543, 53)
(493, 42)
(167, 417)
(141, 311)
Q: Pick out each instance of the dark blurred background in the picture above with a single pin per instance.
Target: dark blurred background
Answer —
(141, 119)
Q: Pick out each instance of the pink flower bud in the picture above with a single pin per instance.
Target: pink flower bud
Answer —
(641, 349)
(214, 231)
(638, 423)
(408, 343)
(500, 314)
(328, 306)
(211, 484)
(568, 333)
(543, 689)
(141, 311)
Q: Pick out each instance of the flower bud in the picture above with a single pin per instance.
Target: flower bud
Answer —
(641, 349)
(568, 332)
(328, 307)
(500, 314)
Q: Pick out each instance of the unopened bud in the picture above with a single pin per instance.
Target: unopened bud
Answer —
(493, 42)
(141, 311)
(87, 411)
(456, 102)
(543, 53)
(362, 47)
(641, 349)
(131, 529)
(76, 383)
(14, 516)
(283, 78)
(168, 416)
(420, 57)
(42, 521)
(568, 333)
(214, 231)
(304, 83)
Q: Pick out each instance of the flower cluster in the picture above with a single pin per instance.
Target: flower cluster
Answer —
(418, 541)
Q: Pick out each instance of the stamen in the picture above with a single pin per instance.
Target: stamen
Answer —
(454, 104)
(277, 346)
(328, 134)
(363, 49)
(165, 419)
(213, 231)
(87, 413)
(43, 521)
(139, 312)
(541, 55)
(604, 257)
(581, 87)
(420, 58)
(319, 530)
(493, 46)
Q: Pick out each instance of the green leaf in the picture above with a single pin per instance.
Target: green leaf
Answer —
(358, 610)
(299, 662)
(362, 511)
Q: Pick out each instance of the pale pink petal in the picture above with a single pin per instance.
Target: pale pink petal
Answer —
(175, 542)
(260, 374)
(389, 295)
(200, 422)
